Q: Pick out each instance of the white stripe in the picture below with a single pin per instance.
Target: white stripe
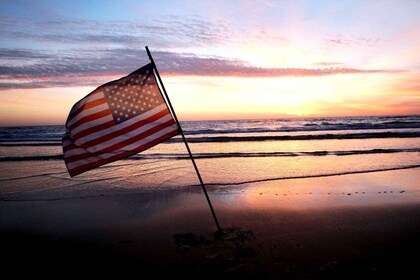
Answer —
(87, 112)
(150, 138)
(82, 162)
(74, 152)
(131, 134)
(90, 124)
(101, 133)
(128, 148)
(87, 99)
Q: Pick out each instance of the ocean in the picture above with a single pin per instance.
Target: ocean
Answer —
(229, 152)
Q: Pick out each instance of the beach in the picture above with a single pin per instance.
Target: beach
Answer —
(336, 226)
(310, 198)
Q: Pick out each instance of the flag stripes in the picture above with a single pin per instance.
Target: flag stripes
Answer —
(98, 132)
(93, 162)
(94, 137)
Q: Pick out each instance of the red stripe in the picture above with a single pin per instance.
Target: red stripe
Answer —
(89, 166)
(82, 100)
(93, 129)
(69, 148)
(86, 106)
(89, 118)
(127, 129)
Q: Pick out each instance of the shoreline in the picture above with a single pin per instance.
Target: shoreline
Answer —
(338, 227)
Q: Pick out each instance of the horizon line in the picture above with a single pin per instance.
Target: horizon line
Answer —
(243, 119)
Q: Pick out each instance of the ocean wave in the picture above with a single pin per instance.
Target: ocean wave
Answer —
(327, 136)
(240, 127)
(230, 155)
(29, 144)
(250, 138)
(308, 127)
(312, 176)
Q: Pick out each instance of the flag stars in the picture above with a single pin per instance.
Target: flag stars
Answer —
(132, 96)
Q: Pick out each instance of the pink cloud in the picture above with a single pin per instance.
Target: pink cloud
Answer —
(90, 68)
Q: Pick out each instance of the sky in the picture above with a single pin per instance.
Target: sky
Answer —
(217, 59)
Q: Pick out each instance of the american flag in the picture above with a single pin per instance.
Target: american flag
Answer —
(118, 119)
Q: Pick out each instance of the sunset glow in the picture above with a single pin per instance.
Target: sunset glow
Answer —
(218, 60)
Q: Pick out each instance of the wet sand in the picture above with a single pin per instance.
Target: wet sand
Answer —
(334, 227)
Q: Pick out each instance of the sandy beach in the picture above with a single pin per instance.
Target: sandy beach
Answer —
(337, 226)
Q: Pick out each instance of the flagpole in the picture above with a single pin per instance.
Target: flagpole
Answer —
(219, 229)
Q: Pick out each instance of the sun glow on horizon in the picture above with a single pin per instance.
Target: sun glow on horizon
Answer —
(216, 98)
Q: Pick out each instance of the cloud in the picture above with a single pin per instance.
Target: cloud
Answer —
(182, 64)
(30, 68)
(328, 64)
(169, 32)
(350, 40)
(87, 52)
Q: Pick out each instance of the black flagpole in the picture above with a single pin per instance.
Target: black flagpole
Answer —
(219, 229)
